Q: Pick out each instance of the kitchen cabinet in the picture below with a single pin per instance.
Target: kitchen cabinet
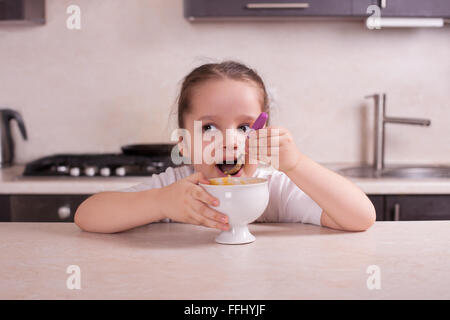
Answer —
(378, 203)
(44, 208)
(408, 8)
(61, 208)
(218, 9)
(411, 207)
(22, 12)
(198, 9)
(4, 208)
(417, 207)
(11, 9)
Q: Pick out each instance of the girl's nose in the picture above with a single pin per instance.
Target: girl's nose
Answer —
(234, 139)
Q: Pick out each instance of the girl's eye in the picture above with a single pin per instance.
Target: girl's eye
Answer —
(208, 127)
(245, 128)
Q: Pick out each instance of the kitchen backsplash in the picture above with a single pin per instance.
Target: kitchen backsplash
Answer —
(115, 81)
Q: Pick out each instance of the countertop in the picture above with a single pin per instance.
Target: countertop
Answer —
(181, 261)
(12, 182)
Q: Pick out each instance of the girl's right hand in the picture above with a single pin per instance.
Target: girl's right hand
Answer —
(186, 201)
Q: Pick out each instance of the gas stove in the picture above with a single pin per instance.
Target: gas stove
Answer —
(98, 165)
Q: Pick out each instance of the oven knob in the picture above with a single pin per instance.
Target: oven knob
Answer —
(75, 171)
(64, 212)
(105, 172)
(120, 171)
(61, 169)
(90, 171)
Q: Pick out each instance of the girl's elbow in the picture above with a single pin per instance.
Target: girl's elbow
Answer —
(365, 219)
(80, 218)
(370, 217)
(77, 219)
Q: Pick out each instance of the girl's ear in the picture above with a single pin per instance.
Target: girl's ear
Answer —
(183, 148)
(180, 146)
(183, 151)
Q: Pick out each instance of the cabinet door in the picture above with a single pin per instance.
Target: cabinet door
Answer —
(4, 208)
(418, 207)
(11, 10)
(378, 203)
(195, 9)
(409, 8)
(22, 11)
(44, 208)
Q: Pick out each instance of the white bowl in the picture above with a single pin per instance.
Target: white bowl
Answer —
(243, 203)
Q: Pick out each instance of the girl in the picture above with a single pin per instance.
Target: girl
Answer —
(223, 96)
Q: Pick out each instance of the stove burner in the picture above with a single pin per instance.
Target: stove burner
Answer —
(98, 165)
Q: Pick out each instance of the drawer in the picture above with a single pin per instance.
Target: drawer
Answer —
(44, 208)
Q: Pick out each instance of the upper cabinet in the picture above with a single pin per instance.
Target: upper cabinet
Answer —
(22, 12)
(204, 9)
(242, 9)
(412, 8)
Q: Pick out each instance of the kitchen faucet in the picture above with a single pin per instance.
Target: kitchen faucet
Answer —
(380, 120)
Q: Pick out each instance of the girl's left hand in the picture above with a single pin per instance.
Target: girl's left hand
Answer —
(274, 145)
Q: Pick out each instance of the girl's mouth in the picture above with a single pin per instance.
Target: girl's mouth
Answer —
(222, 168)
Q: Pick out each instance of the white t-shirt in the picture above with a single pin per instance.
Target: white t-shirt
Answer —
(287, 202)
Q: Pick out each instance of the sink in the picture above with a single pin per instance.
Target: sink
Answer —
(400, 171)
(407, 172)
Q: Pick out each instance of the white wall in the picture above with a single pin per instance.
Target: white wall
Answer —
(115, 81)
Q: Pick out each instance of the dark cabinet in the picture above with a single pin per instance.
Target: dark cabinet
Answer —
(411, 207)
(11, 10)
(61, 208)
(417, 207)
(219, 9)
(411, 8)
(44, 208)
(197, 9)
(4, 208)
(22, 11)
(378, 203)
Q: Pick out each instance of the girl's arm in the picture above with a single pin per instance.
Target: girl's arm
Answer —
(182, 201)
(344, 205)
(109, 212)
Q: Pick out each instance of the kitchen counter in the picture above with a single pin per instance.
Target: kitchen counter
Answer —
(180, 261)
(12, 182)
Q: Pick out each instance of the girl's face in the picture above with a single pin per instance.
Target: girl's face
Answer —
(221, 105)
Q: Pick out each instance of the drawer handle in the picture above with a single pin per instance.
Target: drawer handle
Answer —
(397, 212)
(300, 5)
(64, 212)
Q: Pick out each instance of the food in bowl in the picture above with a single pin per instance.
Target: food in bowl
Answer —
(231, 181)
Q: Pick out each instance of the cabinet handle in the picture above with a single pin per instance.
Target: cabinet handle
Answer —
(383, 4)
(299, 5)
(64, 212)
(397, 212)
